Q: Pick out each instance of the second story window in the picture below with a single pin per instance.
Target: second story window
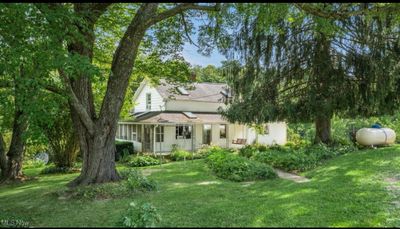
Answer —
(148, 101)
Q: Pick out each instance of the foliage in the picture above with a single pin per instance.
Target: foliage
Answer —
(180, 155)
(293, 64)
(141, 215)
(236, 168)
(249, 150)
(54, 169)
(140, 161)
(33, 163)
(136, 181)
(62, 140)
(301, 134)
(298, 159)
(132, 182)
(123, 149)
(210, 73)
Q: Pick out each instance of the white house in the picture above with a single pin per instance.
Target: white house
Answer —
(168, 115)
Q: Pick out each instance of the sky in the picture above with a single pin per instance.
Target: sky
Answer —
(193, 57)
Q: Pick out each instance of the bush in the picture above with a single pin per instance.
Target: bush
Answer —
(54, 169)
(236, 168)
(144, 215)
(299, 159)
(140, 161)
(33, 164)
(289, 161)
(180, 155)
(123, 149)
(136, 181)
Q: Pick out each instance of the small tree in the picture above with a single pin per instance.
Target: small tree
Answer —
(62, 140)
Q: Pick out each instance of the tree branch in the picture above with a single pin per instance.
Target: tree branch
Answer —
(187, 31)
(341, 13)
(181, 8)
(80, 109)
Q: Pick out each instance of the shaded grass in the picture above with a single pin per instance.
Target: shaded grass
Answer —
(346, 191)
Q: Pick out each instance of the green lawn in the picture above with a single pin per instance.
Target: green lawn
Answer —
(345, 191)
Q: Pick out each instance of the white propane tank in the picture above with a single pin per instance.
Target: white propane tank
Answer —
(375, 136)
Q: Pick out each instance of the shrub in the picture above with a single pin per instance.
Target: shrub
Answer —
(236, 168)
(144, 215)
(180, 155)
(289, 161)
(299, 159)
(247, 151)
(136, 181)
(140, 161)
(33, 163)
(123, 149)
(52, 169)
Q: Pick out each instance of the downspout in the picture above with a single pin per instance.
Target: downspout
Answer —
(154, 140)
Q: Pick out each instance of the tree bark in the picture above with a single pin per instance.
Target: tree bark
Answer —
(11, 168)
(97, 134)
(3, 156)
(323, 130)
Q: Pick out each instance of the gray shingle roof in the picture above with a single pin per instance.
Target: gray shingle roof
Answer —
(179, 117)
(204, 92)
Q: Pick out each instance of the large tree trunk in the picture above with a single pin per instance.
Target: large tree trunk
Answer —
(3, 156)
(97, 145)
(323, 130)
(98, 159)
(11, 168)
(97, 134)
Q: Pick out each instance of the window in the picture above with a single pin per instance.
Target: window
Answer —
(222, 131)
(159, 134)
(183, 132)
(134, 132)
(207, 134)
(148, 101)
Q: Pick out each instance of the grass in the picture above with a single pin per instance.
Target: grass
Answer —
(348, 191)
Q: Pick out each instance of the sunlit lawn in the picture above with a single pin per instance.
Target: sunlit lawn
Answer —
(346, 191)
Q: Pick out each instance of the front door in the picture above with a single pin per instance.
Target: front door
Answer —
(207, 134)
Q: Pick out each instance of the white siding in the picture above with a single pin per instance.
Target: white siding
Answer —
(181, 105)
(157, 102)
(277, 134)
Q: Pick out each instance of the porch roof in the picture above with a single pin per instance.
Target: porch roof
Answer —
(179, 117)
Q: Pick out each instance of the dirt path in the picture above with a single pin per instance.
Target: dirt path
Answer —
(291, 176)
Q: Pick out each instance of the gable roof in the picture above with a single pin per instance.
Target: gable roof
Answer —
(202, 92)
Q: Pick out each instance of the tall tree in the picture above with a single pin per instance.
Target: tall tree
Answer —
(96, 130)
(298, 66)
(24, 61)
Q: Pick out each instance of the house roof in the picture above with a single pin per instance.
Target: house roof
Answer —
(179, 117)
(202, 92)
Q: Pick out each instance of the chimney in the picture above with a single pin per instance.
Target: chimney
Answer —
(193, 77)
